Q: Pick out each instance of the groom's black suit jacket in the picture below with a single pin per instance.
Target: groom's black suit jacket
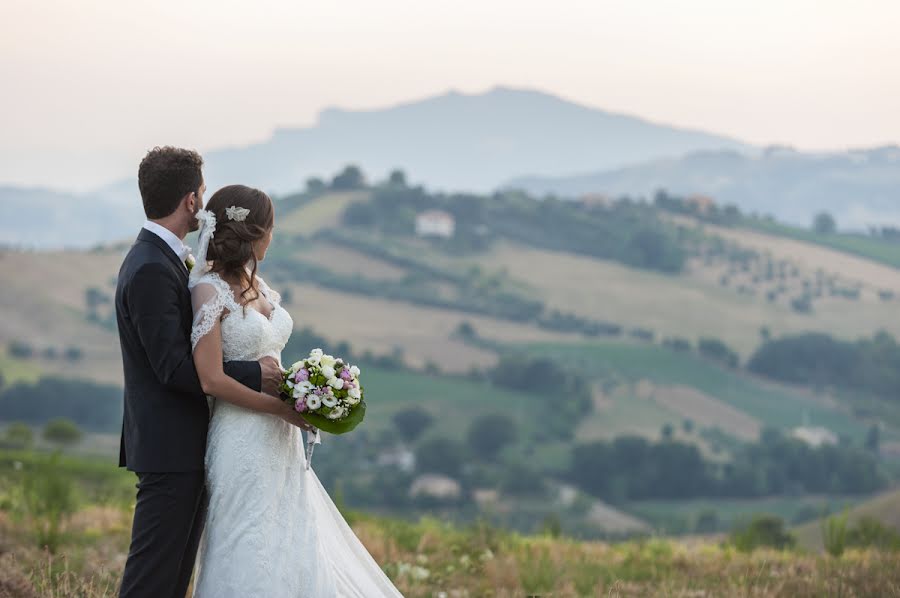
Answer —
(166, 416)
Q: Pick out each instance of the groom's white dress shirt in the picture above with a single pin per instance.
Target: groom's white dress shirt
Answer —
(177, 245)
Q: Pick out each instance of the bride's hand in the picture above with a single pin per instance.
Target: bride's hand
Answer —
(270, 404)
(295, 419)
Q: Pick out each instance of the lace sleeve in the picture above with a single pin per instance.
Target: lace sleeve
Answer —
(209, 304)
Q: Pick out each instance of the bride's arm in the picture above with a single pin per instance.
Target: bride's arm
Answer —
(208, 361)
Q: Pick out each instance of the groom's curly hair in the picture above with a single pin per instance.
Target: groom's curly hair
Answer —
(165, 176)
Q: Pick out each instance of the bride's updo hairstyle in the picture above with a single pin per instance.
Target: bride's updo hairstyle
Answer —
(231, 247)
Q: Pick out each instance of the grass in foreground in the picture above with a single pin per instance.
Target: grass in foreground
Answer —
(430, 558)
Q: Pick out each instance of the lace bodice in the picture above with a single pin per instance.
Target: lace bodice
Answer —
(247, 335)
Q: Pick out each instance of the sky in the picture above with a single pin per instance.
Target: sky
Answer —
(89, 86)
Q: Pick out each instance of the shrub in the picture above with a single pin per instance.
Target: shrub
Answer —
(19, 435)
(834, 534)
(762, 531)
(62, 432)
(871, 533)
(49, 497)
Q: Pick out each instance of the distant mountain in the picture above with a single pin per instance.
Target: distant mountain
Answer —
(858, 187)
(458, 142)
(41, 219)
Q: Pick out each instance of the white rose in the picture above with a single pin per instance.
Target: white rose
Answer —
(327, 371)
(313, 360)
(297, 366)
(337, 413)
(354, 371)
(329, 400)
(317, 353)
(298, 392)
(354, 393)
(313, 402)
(328, 360)
(336, 383)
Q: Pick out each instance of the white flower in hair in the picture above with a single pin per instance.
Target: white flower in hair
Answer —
(236, 213)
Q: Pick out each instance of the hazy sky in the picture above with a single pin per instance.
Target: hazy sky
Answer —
(89, 85)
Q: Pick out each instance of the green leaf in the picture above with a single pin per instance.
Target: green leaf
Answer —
(347, 424)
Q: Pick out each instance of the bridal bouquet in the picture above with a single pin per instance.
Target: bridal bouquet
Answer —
(326, 391)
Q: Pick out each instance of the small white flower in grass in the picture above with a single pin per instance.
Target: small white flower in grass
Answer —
(354, 371)
(336, 383)
(313, 401)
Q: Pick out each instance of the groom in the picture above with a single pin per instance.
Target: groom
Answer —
(166, 415)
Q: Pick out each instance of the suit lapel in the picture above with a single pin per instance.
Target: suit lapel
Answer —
(149, 237)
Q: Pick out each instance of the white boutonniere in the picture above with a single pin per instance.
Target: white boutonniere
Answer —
(190, 262)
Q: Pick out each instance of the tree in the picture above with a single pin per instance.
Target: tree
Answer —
(19, 435)
(873, 439)
(348, 179)
(315, 185)
(20, 350)
(397, 178)
(667, 431)
(412, 423)
(490, 433)
(824, 223)
(74, 354)
(441, 455)
(62, 431)
(717, 350)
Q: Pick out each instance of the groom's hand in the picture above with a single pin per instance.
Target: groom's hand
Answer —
(271, 375)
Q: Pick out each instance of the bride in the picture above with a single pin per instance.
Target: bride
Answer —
(271, 528)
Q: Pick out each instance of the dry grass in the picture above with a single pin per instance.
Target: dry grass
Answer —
(431, 559)
(45, 295)
(423, 333)
(704, 410)
(691, 305)
(323, 212)
(350, 262)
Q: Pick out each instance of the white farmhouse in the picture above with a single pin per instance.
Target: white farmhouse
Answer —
(814, 436)
(435, 223)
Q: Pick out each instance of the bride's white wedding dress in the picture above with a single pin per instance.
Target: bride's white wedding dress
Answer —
(271, 530)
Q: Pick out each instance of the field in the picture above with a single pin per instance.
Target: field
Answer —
(431, 558)
(869, 248)
(769, 403)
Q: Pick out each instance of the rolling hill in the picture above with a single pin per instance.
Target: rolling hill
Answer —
(860, 188)
(884, 508)
(662, 386)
